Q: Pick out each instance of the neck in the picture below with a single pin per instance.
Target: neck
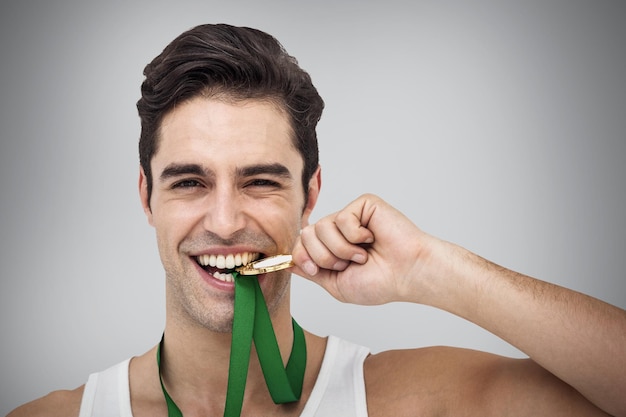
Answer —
(195, 360)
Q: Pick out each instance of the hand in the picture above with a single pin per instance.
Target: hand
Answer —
(368, 253)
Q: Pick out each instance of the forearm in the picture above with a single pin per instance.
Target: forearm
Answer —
(579, 339)
(369, 253)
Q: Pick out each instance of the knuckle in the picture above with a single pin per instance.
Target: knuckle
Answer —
(307, 232)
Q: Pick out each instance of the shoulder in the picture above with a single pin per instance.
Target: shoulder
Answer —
(425, 379)
(452, 381)
(62, 403)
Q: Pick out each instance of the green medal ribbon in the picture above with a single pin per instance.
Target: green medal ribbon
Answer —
(252, 322)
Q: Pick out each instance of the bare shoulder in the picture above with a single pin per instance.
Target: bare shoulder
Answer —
(403, 382)
(62, 403)
(441, 381)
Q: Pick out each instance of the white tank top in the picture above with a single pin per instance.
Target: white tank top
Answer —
(338, 391)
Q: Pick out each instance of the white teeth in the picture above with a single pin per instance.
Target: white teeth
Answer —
(224, 277)
(230, 262)
(227, 261)
(204, 260)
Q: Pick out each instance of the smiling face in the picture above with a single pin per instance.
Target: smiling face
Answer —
(227, 189)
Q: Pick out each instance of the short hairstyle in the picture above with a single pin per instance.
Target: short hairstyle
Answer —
(235, 63)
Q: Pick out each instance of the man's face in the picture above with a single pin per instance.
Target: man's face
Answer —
(227, 188)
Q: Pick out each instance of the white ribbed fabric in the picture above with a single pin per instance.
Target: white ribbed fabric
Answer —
(340, 386)
(107, 393)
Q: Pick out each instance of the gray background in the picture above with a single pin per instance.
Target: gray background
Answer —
(497, 125)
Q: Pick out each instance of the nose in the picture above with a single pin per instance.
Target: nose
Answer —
(224, 214)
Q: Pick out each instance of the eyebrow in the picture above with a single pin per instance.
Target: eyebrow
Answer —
(176, 170)
(277, 170)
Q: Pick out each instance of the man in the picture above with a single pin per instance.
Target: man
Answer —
(229, 173)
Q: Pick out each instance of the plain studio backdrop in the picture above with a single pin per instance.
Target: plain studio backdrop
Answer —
(500, 126)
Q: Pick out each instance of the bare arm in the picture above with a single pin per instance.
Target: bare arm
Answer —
(64, 403)
(579, 339)
(355, 255)
(443, 381)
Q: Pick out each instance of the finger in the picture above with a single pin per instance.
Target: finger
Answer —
(318, 250)
(351, 223)
(304, 264)
(337, 243)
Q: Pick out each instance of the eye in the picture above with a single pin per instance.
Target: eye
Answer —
(263, 182)
(186, 184)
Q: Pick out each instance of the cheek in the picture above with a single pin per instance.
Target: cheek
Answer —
(284, 228)
(172, 225)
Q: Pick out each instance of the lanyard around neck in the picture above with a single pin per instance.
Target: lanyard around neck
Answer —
(252, 322)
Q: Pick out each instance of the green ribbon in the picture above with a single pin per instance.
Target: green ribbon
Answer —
(252, 322)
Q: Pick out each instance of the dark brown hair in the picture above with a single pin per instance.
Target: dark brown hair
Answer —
(235, 63)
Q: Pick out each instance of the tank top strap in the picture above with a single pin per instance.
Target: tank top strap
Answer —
(340, 386)
(107, 393)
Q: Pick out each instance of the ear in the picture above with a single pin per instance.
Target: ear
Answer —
(315, 185)
(143, 194)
